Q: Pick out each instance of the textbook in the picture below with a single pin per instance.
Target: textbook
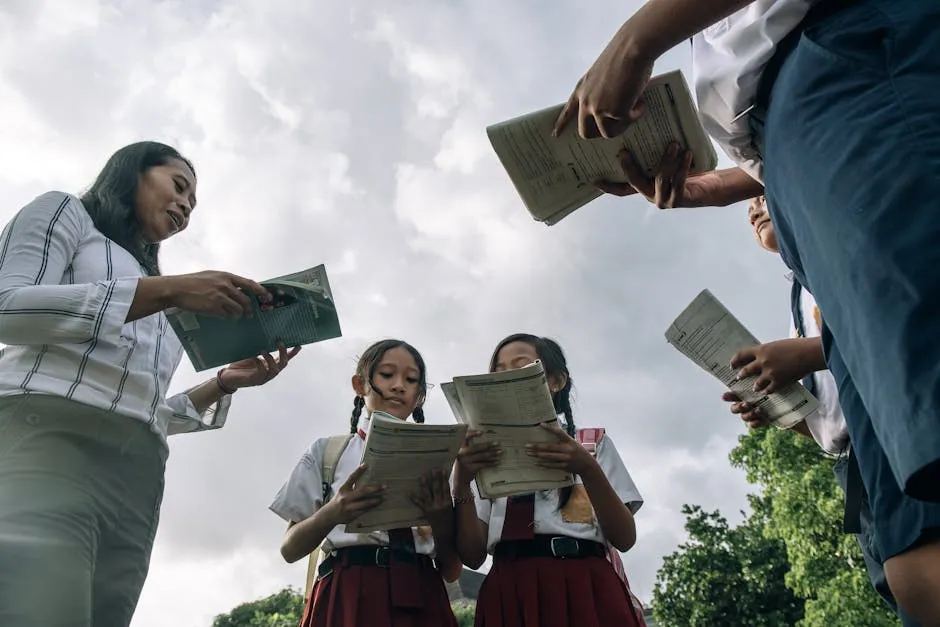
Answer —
(302, 312)
(397, 454)
(554, 176)
(508, 407)
(709, 335)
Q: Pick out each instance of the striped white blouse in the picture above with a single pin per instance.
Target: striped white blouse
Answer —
(65, 291)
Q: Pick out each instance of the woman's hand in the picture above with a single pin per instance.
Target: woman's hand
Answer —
(213, 293)
(434, 499)
(256, 371)
(352, 500)
(568, 454)
(474, 457)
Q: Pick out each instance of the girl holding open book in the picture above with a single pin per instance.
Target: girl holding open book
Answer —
(392, 578)
(551, 549)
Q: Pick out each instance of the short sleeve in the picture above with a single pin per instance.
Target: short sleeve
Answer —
(484, 506)
(302, 495)
(616, 472)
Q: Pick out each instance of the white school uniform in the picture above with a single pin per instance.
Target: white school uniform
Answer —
(548, 519)
(827, 423)
(728, 59)
(302, 495)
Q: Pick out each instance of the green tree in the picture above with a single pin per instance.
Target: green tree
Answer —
(726, 576)
(806, 504)
(282, 609)
(464, 611)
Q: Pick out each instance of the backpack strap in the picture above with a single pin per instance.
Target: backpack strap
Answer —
(796, 310)
(335, 446)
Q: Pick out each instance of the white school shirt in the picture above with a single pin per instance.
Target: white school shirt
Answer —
(548, 520)
(302, 495)
(728, 59)
(65, 290)
(827, 423)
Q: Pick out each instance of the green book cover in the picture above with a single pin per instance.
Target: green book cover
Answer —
(303, 312)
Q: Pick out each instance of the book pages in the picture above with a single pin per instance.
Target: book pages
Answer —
(397, 455)
(508, 407)
(554, 176)
(709, 335)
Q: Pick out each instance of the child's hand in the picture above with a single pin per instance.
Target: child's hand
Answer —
(434, 499)
(568, 454)
(753, 417)
(776, 364)
(473, 457)
(671, 186)
(352, 500)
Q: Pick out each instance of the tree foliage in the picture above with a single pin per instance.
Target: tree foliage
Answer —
(788, 563)
(282, 609)
(725, 575)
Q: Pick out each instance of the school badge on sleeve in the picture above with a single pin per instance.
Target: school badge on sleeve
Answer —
(578, 509)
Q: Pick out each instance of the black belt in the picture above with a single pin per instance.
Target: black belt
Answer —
(368, 556)
(550, 546)
(817, 13)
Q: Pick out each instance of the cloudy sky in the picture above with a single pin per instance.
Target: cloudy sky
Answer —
(352, 134)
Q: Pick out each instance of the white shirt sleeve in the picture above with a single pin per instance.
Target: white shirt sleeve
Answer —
(186, 419)
(302, 495)
(484, 506)
(616, 472)
(36, 248)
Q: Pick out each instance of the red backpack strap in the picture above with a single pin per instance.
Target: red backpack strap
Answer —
(589, 437)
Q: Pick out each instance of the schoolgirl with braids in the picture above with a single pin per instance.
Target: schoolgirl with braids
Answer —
(381, 579)
(550, 549)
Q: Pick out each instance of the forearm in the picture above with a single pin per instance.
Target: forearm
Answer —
(470, 541)
(303, 537)
(205, 395)
(812, 356)
(660, 25)
(444, 532)
(613, 516)
(154, 294)
(736, 185)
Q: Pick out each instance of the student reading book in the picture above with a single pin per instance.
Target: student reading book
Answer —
(550, 548)
(379, 578)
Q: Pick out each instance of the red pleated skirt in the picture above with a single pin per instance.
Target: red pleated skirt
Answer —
(552, 592)
(361, 596)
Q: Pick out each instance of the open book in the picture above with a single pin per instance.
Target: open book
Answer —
(554, 176)
(508, 408)
(302, 313)
(397, 454)
(708, 334)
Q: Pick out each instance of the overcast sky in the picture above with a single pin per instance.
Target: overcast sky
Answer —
(353, 135)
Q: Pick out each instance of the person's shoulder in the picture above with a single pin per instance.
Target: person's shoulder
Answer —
(316, 452)
(56, 203)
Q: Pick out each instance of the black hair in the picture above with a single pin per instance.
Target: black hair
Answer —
(365, 369)
(111, 198)
(556, 366)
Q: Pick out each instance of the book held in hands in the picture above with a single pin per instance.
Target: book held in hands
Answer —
(555, 175)
(302, 312)
(508, 407)
(709, 335)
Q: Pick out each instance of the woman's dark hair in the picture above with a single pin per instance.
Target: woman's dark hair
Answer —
(556, 366)
(110, 199)
(365, 369)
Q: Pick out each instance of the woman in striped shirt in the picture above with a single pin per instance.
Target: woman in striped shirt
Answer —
(88, 359)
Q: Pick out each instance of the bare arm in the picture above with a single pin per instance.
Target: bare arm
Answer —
(444, 532)
(660, 25)
(471, 531)
(613, 515)
(302, 538)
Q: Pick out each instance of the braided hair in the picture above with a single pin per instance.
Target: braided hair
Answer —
(365, 369)
(556, 365)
